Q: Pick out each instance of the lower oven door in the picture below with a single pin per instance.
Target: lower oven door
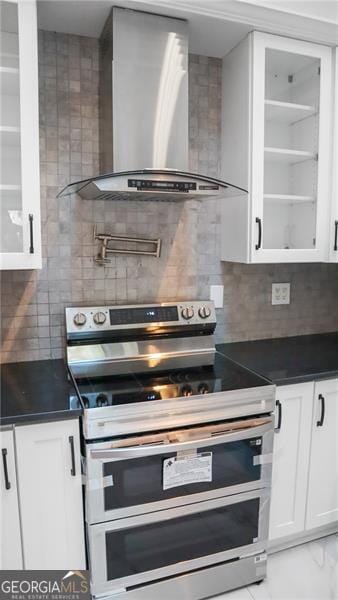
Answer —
(134, 476)
(129, 552)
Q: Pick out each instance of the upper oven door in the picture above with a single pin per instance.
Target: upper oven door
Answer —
(133, 551)
(138, 475)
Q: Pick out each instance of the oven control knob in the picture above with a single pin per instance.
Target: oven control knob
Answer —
(204, 312)
(99, 318)
(203, 388)
(186, 390)
(187, 313)
(101, 400)
(85, 401)
(79, 319)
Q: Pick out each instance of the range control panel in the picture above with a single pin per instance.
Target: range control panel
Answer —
(109, 318)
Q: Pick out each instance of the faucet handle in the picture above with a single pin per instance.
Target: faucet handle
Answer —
(100, 260)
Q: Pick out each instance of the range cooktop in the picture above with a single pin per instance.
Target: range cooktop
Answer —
(224, 375)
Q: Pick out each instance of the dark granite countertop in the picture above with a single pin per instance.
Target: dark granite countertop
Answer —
(288, 360)
(35, 391)
(40, 390)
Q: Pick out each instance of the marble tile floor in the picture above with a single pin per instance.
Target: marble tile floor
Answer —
(306, 572)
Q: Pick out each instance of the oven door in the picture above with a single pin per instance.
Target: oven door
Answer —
(129, 552)
(154, 472)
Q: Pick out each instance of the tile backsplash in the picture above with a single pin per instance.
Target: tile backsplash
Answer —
(32, 302)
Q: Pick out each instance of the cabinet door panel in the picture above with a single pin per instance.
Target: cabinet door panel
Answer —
(283, 108)
(334, 218)
(10, 549)
(290, 153)
(290, 460)
(50, 496)
(322, 505)
(20, 235)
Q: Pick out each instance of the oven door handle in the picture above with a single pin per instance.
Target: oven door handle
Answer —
(139, 451)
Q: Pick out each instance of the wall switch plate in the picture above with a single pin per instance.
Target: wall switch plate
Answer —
(280, 293)
(216, 295)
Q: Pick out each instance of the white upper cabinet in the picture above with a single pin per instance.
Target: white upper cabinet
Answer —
(334, 217)
(20, 235)
(276, 120)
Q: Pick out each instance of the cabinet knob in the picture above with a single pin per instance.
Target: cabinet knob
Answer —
(320, 421)
(72, 456)
(259, 241)
(31, 238)
(280, 414)
(4, 460)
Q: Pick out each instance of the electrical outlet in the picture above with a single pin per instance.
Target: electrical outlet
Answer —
(216, 295)
(280, 293)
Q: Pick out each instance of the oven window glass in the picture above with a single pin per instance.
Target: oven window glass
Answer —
(232, 464)
(156, 545)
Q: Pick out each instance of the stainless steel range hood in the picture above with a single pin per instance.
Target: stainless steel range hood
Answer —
(150, 184)
(144, 114)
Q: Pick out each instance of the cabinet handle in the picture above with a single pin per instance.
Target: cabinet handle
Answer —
(31, 244)
(71, 441)
(280, 414)
(335, 247)
(4, 460)
(259, 243)
(322, 416)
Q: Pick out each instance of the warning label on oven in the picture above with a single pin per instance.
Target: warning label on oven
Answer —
(187, 469)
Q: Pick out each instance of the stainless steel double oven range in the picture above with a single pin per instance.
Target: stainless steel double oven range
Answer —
(177, 447)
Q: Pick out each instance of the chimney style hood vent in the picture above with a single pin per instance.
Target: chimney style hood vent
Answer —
(144, 114)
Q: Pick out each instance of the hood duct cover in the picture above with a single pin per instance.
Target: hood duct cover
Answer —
(143, 92)
(144, 113)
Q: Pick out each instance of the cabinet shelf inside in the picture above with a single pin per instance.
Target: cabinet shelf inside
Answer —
(9, 49)
(9, 80)
(287, 112)
(9, 136)
(10, 188)
(286, 155)
(288, 198)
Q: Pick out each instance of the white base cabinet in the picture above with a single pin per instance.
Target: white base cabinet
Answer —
(305, 462)
(290, 460)
(42, 523)
(50, 491)
(10, 547)
(322, 505)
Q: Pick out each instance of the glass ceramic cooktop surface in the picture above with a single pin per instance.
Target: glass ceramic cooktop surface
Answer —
(224, 375)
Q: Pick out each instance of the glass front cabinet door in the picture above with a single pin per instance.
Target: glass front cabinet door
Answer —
(286, 139)
(20, 237)
(334, 195)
